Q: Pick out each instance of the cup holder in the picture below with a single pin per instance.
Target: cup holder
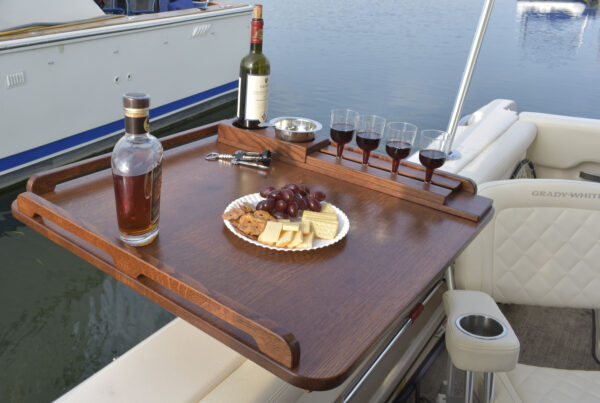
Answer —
(481, 326)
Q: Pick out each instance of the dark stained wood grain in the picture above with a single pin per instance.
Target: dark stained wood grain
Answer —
(407, 169)
(265, 139)
(271, 339)
(337, 302)
(458, 201)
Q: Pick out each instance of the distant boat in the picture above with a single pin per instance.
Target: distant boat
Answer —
(65, 64)
(551, 9)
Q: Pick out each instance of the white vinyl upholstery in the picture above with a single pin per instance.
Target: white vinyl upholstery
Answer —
(531, 384)
(475, 354)
(563, 141)
(251, 383)
(542, 247)
(181, 363)
(499, 159)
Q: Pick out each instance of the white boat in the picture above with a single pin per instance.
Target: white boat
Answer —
(64, 66)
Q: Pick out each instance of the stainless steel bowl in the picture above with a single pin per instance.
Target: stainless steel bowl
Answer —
(295, 129)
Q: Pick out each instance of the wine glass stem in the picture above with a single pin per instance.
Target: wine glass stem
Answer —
(428, 175)
(366, 155)
(395, 165)
(340, 150)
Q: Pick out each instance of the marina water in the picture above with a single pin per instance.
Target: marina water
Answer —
(62, 319)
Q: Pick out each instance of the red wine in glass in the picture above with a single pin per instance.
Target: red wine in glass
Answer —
(398, 150)
(431, 159)
(342, 133)
(367, 141)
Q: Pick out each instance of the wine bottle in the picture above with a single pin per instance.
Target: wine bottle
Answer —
(253, 85)
(136, 166)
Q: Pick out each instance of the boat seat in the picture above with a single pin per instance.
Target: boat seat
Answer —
(542, 247)
(565, 145)
(499, 159)
(181, 363)
(530, 384)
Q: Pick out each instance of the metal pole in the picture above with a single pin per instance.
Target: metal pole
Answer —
(467, 73)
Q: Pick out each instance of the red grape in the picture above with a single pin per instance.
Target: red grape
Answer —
(314, 204)
(287, 195)
(265, 191)
(261, 205)
(280, 214)
(293, 187)
(303, 190)
(301, 201)
(292, 209)
(269, 204)
(281, 205)
(275, 194)
(320, 196)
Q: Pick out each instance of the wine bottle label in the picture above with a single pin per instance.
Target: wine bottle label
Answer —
(257, 97)
(257, 31)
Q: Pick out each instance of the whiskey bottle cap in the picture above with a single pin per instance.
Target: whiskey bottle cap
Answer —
(257, 11)
(136, 100)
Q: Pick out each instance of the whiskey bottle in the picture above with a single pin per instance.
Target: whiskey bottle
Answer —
(137, 173)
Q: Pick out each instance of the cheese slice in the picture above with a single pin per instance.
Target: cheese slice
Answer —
(271, 233)
(291, 226)
(326, 208)
(283, 220)
(325, 229)
(297, 240)
(284, 239)
(314, 216)
(308, 242)
(305, 227)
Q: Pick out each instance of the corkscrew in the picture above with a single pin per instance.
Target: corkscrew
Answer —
(248, 158)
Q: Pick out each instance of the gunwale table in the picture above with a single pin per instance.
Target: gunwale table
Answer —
(309, 317)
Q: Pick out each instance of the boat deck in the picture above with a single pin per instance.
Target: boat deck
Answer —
(111, 21)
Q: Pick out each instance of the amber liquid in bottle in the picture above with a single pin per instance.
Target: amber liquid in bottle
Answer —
(137, 174)
(138, 202)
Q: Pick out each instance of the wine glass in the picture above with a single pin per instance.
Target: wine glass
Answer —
(399, 139)
(343, 127)
(369, 132)
(433, 152)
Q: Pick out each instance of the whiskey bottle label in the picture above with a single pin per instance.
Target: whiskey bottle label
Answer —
(257, 97)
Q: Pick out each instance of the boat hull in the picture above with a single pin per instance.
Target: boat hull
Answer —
(62, 94)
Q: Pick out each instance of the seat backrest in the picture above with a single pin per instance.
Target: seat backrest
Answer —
(542, 246)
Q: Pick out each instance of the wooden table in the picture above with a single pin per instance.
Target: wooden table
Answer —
(309, 317)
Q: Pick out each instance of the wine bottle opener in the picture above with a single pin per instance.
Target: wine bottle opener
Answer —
(242, 157)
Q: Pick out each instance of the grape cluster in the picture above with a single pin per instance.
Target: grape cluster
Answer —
(289, 200)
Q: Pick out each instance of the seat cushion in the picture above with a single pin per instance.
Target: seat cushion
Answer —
(529, 384)
(178, 363)
(499, 159)
(252, 384)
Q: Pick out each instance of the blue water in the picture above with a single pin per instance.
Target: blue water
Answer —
(62, 319)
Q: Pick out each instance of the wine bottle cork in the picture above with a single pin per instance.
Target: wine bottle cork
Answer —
(257, 11)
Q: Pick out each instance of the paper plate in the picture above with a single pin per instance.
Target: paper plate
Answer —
(343, 226)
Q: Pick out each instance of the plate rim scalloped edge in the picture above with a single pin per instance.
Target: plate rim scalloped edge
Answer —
(343, 231)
